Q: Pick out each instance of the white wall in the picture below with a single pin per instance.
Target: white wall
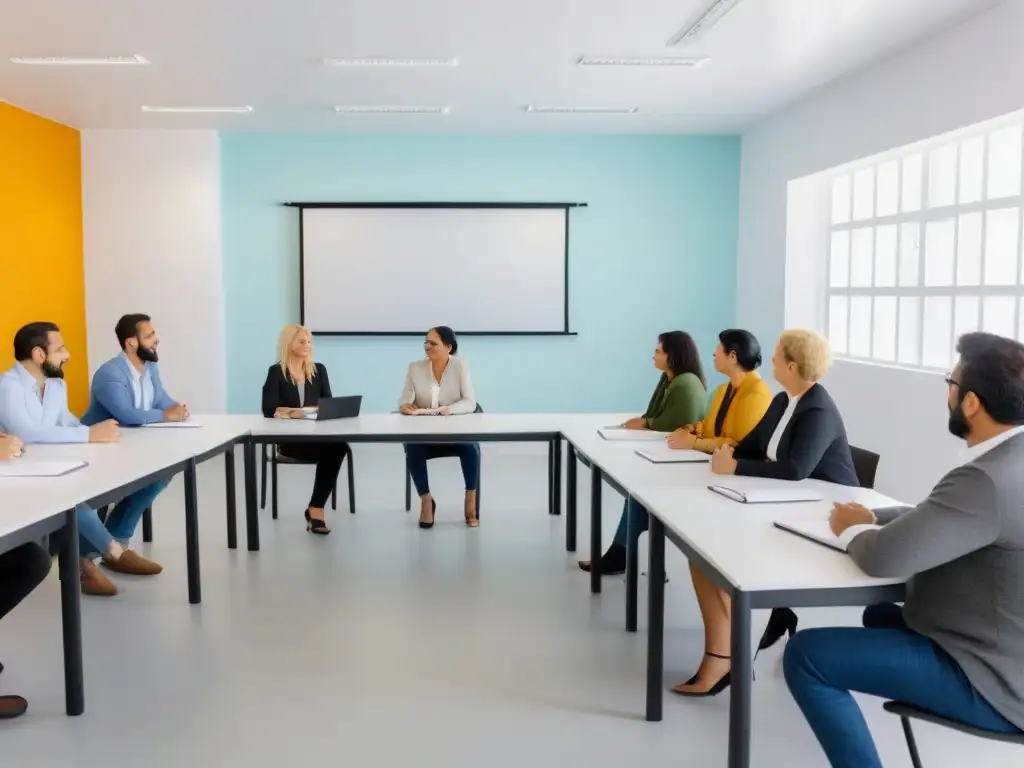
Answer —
(969, 74)
(152, 218)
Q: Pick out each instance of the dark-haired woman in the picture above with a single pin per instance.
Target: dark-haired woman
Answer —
(440, 385)
(678, 399)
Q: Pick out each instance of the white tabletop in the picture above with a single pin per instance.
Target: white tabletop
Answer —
(393, 425)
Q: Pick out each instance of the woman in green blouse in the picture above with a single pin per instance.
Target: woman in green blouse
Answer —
(679, 399)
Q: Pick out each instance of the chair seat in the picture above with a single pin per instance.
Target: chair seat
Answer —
(905, 710)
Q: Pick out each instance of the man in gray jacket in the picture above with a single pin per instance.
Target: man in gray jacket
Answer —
(956, 648)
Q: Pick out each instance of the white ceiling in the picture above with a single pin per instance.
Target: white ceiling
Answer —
(267, 53)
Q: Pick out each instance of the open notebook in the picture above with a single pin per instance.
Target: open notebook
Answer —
(817, 530)
(783, 495)
(30, 468)
(666, 455)
(632, 435)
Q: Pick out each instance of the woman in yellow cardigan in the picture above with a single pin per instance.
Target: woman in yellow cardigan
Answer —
(736, 408)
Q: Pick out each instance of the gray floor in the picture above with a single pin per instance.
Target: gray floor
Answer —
(383, 645)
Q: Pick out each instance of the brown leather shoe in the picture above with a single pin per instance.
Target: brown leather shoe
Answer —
(94, 582)
(12, 707)
(133, 564)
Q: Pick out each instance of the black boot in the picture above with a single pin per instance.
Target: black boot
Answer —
(613, 562)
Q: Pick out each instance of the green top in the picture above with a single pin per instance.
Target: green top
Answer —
(676, 403)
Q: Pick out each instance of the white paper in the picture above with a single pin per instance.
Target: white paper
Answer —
(669, 456)
(427, 412)
(632, 435)
(174, 425)
(30, 468)
(784, 495)
(817, 530)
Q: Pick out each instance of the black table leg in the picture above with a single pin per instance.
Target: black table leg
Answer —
(252, 520)
(596, 479)
(632, 569)
(551, 477)
(742, 681)
(71, 616)
(570, 498)
(556, 483)
(147, 525)
(655, 619)
(229, 484)
(195, 594)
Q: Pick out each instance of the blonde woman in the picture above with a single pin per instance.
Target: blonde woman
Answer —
(295, 383)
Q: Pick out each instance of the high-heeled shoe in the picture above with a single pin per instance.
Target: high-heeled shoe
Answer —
(316, 525)
(471, 519)
(433, 514)
(781, 622)
(723, 682)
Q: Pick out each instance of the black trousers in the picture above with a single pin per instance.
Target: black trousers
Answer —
(328, 458)
(21, 570)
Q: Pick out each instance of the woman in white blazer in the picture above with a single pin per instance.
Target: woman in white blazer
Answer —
(440, 385)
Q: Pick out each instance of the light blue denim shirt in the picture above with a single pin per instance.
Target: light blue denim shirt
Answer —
(34, 419)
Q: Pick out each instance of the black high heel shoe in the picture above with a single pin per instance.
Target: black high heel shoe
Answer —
(781, 622)
(433, 514)
(316, 525)
(723, 682)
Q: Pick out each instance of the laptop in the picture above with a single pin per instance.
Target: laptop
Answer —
(331, 408)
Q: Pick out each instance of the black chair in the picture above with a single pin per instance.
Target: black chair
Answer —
(408, 480)
(907, 712)
(865, 464)
(277, 458)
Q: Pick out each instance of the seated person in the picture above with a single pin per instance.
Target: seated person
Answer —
(956, 648)
(34, 406)
(22, 569)
(128, 390)
(441, 384)
(678, 399)
(801, 435)
(294, 386)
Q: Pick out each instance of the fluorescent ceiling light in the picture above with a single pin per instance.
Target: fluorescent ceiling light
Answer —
(703, 22)
(583, 110)
(379, 110)
(199, 110)
(80, 61)
(333, 62)
(686, 62)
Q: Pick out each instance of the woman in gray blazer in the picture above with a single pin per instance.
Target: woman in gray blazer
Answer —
(440, 386)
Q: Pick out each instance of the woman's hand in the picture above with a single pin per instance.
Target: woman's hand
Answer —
(722, 462)
(445, 410)
(682, 440)
(10, 447)
(300, 413)
(282, 413)
(408, 409)
(637, 422)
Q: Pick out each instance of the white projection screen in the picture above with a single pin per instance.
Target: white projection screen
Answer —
(403, 268)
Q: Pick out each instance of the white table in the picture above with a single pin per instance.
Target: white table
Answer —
(735, 545)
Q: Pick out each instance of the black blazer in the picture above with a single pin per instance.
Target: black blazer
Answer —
(279, 391)
(813, 444)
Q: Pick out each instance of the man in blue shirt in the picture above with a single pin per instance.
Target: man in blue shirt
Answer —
(34, 407)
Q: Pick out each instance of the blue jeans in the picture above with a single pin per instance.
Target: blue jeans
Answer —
(124, 517)
(633, 522)
(93, 537)
(417, 454)
(884, 659)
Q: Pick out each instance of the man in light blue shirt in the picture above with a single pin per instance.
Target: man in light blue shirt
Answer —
(34, 407)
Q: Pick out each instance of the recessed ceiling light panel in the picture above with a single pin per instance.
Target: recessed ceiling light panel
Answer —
(683, 62)
(391, 110)
(81, 61)
(582, 110)
(382, 62)
(179, 110)
(703, 22)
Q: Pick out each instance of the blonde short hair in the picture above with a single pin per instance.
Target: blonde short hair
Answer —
(284, 347)
(809, 351)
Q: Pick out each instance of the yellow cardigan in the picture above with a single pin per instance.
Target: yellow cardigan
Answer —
(747, 408)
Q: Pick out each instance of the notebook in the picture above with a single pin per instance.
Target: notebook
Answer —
(785, 495)
(633, 435)
(817, 530)
(669, 456)
(29, 468)
(190, 424)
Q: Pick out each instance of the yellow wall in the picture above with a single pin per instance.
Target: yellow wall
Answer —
(42, 275)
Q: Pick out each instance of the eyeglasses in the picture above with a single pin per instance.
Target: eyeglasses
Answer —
(429, 344)
(950, 381)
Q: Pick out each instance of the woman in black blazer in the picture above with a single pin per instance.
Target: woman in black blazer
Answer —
(800, 436)
(293, 388)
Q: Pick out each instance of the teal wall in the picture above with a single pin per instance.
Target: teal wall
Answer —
(654, 251)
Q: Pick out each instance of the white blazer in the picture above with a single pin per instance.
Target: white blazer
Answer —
(455, 390)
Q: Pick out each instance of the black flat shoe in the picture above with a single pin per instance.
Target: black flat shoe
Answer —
(433, 514)
(781, 622)
(613, 562)
(316, 525)
(723, 682)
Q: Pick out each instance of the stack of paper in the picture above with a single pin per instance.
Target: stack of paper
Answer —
(665, 455)
(30, 468)
(784, 495)
(621, 433)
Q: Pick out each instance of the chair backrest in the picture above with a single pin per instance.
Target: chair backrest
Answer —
(479, 408)
(865, 464)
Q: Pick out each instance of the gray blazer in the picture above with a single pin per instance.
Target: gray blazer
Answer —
(963, 551)
(455, 390)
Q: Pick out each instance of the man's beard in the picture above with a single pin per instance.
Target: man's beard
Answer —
(52, 371)
(148, 355)
(958, 425)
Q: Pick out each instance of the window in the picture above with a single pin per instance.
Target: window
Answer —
(925, 245)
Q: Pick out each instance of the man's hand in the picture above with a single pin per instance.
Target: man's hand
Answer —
(105, 432)
(722, 462)
(10, 447)
(682, 440)
(637, 422)
(176, 412)
(848, 515)
(408, 409)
